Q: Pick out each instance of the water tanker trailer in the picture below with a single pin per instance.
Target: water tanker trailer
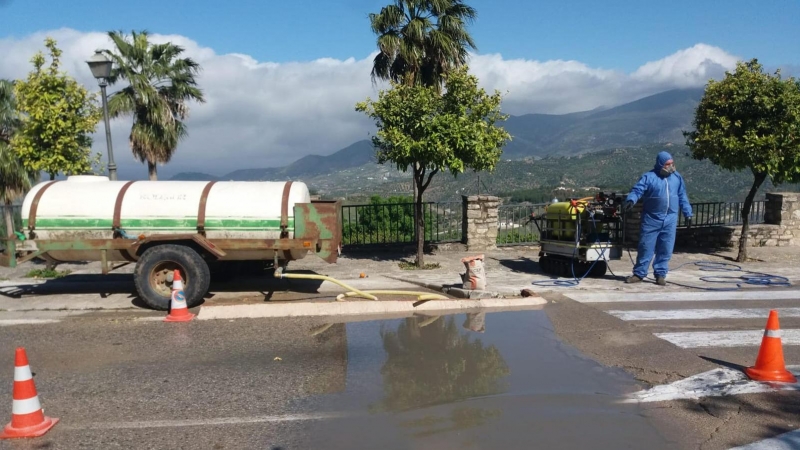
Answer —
(195, 226)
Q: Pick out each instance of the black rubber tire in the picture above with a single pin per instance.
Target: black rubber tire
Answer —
(194, 272)
(562, 268)
(599, 269)
(580, 269)
(568, 269)
(544, 264)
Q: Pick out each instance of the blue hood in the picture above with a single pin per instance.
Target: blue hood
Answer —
(661, 159)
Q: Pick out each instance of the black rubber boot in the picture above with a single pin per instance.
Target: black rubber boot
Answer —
(633, 279)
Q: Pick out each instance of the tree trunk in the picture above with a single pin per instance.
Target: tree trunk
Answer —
(748, 203)
(152, 170)
(421, 184)
(420, 220)
(52, 176)
(414, 196)
(9, 218)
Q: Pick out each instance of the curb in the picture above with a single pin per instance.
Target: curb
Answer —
(432, 286)
(459, 292)
(355, 308)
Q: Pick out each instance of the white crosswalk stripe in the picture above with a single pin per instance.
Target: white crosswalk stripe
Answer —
(728, 338)
(701, 296)
(673, 309)
(700, 314)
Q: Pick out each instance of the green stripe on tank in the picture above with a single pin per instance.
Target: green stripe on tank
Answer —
(82, 223)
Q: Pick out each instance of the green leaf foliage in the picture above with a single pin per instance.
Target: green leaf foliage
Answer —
(14, 179)
(421, 128)
(454, 131)
(9, 117)
(750, 119)
(389, 219)
(58, 117)
(419, 41)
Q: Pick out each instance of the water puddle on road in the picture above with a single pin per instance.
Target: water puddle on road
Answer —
(468, 381)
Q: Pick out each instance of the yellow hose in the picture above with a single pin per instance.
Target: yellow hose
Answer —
(428, 321)
(324, 278)
(420, 295)
(357, 293)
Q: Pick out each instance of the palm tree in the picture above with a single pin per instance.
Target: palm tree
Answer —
(9, 119)
(14, 179)
(421, 40)
(160, 84)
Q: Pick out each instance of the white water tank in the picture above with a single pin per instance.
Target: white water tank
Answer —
(83, 207)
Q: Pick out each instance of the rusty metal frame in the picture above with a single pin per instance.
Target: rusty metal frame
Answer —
(201, 210)
(287, 188)
(35, 205)
(116, 223)
(197, 238)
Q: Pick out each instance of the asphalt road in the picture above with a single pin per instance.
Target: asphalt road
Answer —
(556, 378)
(497, 380)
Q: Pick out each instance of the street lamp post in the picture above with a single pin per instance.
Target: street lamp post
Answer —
(100, 66)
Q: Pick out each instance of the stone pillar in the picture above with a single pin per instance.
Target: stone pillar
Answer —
(479, 227)
(782, 208)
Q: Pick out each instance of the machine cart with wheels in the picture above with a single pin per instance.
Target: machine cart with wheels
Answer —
(579, 236)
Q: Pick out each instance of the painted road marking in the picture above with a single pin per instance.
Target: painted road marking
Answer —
(616, 297)
(785, 441)
(9, 322)
(703, 314)
(747, 338)
(714, 383)
(202, 422)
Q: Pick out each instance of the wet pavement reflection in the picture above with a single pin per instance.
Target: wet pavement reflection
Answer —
(468, 381)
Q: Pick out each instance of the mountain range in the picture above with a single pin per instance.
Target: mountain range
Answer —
(657, 119)
(549, 155)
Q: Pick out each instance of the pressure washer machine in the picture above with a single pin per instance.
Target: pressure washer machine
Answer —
(579, 236)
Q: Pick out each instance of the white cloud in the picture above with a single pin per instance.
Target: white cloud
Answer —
(559, 87)
(687, 68)
(263, 114)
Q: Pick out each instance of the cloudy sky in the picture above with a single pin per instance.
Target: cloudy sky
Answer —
(265, 111)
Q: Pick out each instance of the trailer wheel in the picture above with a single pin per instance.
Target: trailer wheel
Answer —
(154, 273)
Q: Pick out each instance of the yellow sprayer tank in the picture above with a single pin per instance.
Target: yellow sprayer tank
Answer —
(562, 219)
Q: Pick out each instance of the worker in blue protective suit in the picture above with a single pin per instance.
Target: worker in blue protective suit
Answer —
(662, 191)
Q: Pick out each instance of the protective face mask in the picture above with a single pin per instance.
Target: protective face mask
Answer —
(667, 171)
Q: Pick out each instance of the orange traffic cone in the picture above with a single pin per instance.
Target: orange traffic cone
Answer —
(27, 415)
(769, 363)
(178, 312)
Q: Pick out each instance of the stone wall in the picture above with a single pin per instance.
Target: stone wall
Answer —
(781, 227)
(479, 227)
(781, 222)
